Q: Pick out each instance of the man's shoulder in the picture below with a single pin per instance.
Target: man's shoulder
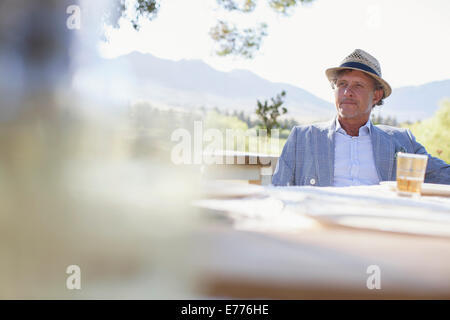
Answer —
(318, 126)
(392, 131)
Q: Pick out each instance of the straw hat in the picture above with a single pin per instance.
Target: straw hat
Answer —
(362, 61)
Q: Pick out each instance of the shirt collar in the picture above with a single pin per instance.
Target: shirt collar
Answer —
(367, 128)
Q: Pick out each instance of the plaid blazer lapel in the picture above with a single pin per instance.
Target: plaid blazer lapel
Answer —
(324, 159)
(383, 153)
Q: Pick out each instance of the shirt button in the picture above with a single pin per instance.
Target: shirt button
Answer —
(312, 181)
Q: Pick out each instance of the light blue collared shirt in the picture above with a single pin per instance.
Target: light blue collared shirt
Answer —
(354, 163)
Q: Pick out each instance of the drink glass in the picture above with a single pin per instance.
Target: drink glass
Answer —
(411, 169)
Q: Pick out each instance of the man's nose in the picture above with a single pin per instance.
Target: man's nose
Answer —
(348, 91)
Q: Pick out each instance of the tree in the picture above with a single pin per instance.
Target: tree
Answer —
(134, 11)
(229, 38)
(268, 114)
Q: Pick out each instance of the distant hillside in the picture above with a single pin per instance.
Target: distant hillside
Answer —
(191, 84)
(416, 103)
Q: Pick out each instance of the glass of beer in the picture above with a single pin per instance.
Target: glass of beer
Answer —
(410, 173)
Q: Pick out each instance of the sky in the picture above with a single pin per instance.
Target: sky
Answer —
(409, 38)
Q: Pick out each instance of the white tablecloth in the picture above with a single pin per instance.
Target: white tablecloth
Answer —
(310, 242)
(370, 207)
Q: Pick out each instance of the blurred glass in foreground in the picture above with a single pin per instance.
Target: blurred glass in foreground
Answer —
(81, 183)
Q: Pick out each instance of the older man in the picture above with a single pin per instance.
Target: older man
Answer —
(350, 150)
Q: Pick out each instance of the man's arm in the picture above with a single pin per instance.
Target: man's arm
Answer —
(438, 171)
(285, 169)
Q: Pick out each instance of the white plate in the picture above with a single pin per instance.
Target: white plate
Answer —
(428, 189)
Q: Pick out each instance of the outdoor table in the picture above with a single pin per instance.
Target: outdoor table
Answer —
(323, 243)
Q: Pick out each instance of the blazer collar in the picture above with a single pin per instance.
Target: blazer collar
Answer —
(326, 159)
(383, 153)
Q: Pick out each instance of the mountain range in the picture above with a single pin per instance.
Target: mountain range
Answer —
(189, 84)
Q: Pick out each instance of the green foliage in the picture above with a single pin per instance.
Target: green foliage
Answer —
(134, 11)
(434, 133)
(217, 120)
(268, 114)
(284, 6)
(279, 6)
(152, 127)
(284, 134)
(222, 122)
(390, 121)
(246, 42)
(288, 124)
(231, 5)
(230, 39)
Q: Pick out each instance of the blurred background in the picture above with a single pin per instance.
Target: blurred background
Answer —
(91, 92)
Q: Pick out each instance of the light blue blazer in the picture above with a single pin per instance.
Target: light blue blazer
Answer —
(308, 155)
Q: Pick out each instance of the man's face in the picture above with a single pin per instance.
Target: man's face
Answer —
(355, 95)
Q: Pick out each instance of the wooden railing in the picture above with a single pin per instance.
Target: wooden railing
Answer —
(233, 165)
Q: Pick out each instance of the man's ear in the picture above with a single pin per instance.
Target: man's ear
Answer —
(377, 96)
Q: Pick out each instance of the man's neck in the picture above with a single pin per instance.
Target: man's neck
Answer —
(352, 127)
